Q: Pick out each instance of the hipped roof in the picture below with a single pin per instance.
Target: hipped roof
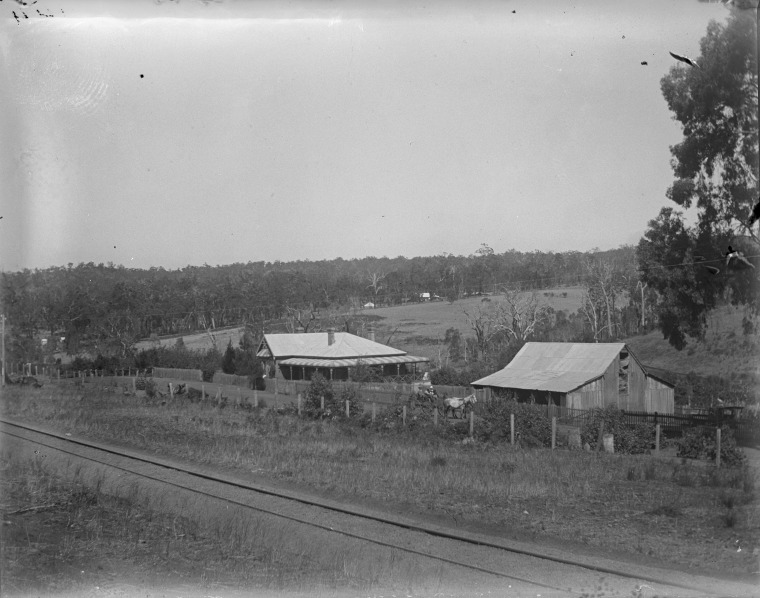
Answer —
(314, 346)
(555, 367)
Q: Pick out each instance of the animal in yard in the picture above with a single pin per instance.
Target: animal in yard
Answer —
(455, 404)
(685, 60)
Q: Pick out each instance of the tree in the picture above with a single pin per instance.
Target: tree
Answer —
(603, 283)
(686, 289)
(521, 314)
(716, 171)
(228, 360)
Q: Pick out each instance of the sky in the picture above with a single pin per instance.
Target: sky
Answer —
(194, 132)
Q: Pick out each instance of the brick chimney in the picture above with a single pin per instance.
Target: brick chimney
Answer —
(330, 336)
(371, 333)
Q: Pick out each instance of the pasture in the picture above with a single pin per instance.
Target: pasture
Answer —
(419, 328)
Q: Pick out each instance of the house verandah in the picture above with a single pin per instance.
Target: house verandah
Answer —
(338, 356)
(346, 369)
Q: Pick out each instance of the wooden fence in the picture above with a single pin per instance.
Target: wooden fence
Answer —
(231, 380)
(181, 374)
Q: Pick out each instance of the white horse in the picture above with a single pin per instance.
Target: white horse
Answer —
(458, 404)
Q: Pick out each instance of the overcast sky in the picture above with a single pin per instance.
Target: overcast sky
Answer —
(175, 133)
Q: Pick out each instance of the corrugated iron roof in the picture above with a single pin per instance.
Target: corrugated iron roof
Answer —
(554, 367)
(314, 345)
(349, 363)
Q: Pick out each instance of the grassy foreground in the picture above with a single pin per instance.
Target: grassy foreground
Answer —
(690, 515)
(69, 536)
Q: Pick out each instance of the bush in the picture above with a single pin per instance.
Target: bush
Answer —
(629, 439)
(700, 443)
(335, 403)
(531, 422)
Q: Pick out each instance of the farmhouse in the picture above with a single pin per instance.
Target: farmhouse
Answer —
(581, 376)
(333, 354)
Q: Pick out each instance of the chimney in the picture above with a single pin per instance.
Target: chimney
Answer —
(330, 336)
(371, 333)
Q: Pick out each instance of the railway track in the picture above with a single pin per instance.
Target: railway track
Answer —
(490, 556)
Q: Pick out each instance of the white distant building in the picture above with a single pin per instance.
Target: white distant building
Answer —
(424, 296)
(369, 305)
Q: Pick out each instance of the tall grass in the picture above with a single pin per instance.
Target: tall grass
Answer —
(84, 516)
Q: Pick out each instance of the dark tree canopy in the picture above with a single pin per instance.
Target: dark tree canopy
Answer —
(716, 173)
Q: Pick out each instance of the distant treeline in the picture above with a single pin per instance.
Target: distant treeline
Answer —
(106, 308)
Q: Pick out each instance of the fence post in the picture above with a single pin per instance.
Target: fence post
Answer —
(554, 433)
(512, 428)
(657, 440)
(240, 396)
(255, 398)
(59, 374)
(600, 439)
(472, 422)
(374, 411)
(299, 404)
(171, 390)
(348, 408)
(435, 417)
(203, 392)
(134, 385)
(717, 447)
(403, 415)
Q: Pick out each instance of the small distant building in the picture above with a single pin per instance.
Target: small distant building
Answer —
(369, 305)
(582, 376)
(424, 297)
(333, 354)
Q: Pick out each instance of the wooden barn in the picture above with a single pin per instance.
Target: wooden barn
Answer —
(582, 376)
(299, 356)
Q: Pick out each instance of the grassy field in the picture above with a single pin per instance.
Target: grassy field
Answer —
(639, 506)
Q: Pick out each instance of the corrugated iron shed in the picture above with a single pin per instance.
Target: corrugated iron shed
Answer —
(554, 367)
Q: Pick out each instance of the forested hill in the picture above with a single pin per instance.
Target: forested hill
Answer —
(117, 305)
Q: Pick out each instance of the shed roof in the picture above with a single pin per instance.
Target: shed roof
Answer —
(554, 367)
(315, 345)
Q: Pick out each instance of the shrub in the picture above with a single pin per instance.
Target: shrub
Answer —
(629, 439)
(700, 443)
(531, 422)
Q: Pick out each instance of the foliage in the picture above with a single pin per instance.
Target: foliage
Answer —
(531, 422)
(715, 168)
(701, 443)
(105, 309)
(629, 439)
(703, 391)
(228, 359)
(449, 376)
(335, 403)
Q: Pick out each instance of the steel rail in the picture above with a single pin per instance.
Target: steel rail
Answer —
(339, 509)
